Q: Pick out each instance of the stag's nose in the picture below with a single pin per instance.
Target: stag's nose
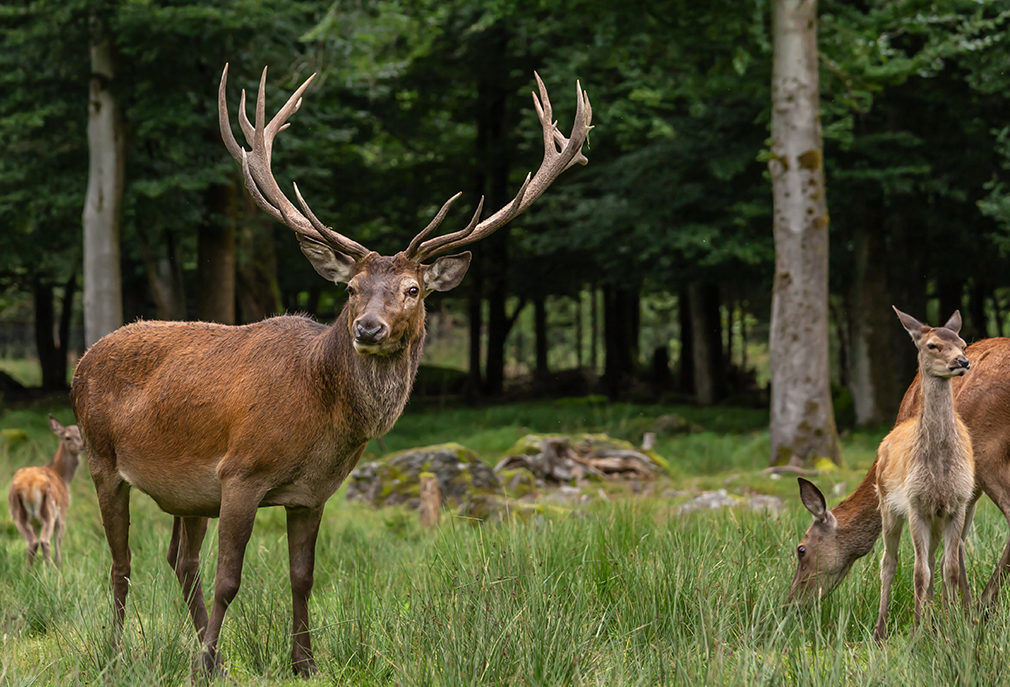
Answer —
(962, 362)
(369, 331)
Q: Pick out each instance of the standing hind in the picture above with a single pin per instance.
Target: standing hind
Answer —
(926, 473)
(39, 496)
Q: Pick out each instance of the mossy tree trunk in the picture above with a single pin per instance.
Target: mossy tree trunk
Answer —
(802, 420)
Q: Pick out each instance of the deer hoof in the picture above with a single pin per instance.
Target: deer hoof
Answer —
(305, 667)
(208, 666)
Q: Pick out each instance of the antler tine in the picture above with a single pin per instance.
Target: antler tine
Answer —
(259, 178)
(435, 245)
(331, 237)
(560, 153)
(224, 122)
(432, 225)
(243, 120)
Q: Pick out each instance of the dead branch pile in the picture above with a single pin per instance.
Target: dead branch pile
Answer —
(558, 462)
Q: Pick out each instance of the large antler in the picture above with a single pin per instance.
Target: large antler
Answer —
(259, 179)
(560, 153)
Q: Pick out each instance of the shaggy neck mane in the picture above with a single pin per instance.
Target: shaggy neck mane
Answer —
(372, 389)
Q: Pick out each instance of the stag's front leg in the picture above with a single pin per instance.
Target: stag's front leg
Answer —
(303, 526)
(239, 503)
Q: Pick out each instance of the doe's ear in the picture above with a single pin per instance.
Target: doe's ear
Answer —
(954, 323)
(445, 273)
(55, 425)
(813, 499)
(915, 328)
(333, 265)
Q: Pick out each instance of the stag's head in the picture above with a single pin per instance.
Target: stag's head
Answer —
(386, 293)
(941, 350)
(822, 559)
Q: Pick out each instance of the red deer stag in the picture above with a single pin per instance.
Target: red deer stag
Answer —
(838, 537)
(217, 421)
(39, 496)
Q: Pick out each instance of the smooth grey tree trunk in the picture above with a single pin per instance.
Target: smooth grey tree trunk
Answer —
(802, 420)
(103, 293)
(872, 380)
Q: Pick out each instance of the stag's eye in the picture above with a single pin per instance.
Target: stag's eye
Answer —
(413, 291)
(350, 290)
(932, 347)
(800, 551)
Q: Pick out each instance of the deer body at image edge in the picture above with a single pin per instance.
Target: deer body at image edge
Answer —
(840, 536)
(40, 496)
(217, 421)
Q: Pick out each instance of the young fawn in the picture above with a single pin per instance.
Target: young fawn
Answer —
(926, 473)
(39, 496)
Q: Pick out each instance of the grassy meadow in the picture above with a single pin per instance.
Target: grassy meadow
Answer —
(620, 592)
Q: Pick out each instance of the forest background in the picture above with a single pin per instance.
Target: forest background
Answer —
(646, 275)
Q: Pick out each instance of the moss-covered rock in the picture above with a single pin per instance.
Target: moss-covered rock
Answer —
(518, 482)
(396, 478)
(585, 443)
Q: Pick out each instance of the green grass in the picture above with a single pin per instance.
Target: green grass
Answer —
(625, 593)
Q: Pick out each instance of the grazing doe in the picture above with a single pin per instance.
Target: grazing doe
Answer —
(39, 496)
(215, 421)
(926, 473)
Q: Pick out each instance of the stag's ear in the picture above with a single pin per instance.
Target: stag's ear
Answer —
(954, 323)
(445, 273)
(55, 425)
(813, 499)
(333, 265)
(915, 328)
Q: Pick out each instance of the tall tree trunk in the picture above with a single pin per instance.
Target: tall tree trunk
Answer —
(52, 347)
(802, 420)
(215, 272)
(47, 350)
(475, 321)
(540, 329)
(620, 335)
(493, 156)
(578, 329)
(706, 326)
(164, 276)
(595, 314)
(103, 293)
(259, 291)
(872, 382)
(686, 363)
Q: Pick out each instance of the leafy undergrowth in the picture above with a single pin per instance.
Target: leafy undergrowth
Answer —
(620, 593)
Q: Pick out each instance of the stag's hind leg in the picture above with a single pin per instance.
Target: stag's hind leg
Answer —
(303, 527)
(114, 502)
(184, 557)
